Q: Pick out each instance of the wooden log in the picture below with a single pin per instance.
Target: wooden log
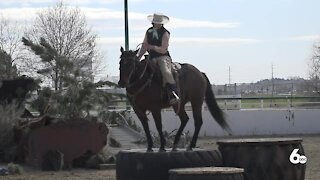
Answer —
(207, 173)
(137, 164)
(264, 158)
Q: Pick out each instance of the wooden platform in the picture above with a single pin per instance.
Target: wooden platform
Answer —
(207, 173)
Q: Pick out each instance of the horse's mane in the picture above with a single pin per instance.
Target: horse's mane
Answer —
(152, 70)
(127, 54)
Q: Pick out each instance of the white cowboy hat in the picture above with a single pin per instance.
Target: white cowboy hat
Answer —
(158, 18)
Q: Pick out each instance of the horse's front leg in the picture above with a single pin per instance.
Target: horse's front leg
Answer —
(157, 119)
(144, 121)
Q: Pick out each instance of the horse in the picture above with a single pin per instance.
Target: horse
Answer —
(144, 91)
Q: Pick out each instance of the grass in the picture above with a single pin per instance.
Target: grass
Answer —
(15, 168)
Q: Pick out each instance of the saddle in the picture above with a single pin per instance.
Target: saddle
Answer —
(176, 67)
(176, 70)
(177, 73)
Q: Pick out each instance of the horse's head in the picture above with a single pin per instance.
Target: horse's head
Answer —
(128, 61)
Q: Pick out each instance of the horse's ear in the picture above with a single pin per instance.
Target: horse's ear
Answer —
(121, 49)
(136, 51)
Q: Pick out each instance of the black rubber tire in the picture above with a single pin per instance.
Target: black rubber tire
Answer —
(263, 158)
(137, 164)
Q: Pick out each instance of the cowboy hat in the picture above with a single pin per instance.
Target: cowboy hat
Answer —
(158, 18)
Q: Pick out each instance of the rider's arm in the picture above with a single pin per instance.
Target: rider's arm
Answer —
(164, 46)
(144, 47)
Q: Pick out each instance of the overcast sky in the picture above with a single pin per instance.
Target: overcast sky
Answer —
(246, 35)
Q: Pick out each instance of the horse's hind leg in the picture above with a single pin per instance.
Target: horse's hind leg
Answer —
(184, 119)
(197, 116)
(157, 119)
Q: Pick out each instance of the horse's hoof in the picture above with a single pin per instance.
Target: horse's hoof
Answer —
(149, 150)
(189, 149)
(162, 150)
(174, 149)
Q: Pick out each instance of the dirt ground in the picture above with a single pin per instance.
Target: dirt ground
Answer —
(311, 146)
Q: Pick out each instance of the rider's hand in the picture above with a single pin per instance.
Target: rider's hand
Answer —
(151, 47)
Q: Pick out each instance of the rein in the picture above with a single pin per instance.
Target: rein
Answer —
(144, 85)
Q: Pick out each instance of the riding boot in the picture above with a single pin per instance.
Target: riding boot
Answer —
(172, 94)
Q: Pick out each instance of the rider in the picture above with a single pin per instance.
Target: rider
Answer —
(156, 42)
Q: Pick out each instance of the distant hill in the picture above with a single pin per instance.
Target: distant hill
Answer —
(266, 86)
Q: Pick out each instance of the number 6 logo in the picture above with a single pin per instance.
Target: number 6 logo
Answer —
(296, 158)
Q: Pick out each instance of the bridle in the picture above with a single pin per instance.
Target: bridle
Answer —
(132, 83)
(135, 84)
(131, 73)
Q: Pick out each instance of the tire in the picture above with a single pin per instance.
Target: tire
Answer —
(137, 164)
(263, 159)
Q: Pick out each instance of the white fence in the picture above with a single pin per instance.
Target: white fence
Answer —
(247, 122)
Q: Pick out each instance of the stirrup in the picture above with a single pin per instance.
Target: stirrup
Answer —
(175, 95)
(175, 99)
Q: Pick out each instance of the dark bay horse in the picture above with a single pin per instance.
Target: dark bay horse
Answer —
(145, 93)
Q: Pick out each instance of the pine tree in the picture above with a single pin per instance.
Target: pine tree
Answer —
(7, 69)
(77, 96)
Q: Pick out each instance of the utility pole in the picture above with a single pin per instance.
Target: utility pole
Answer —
(229, 76)
(272, 80)
(229, 86)
(126, 27)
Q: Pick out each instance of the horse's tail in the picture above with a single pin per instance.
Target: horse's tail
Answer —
(213, 107)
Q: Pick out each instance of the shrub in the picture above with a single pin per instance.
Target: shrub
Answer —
(9, 116)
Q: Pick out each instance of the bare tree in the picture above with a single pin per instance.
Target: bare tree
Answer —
(10, 47)
(65, 30)
(314, 68)
(10, 36)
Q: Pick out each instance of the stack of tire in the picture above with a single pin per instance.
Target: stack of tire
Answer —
(264, 158)
(137, 164)
(248, 159)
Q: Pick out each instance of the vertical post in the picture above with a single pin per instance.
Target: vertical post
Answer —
(225, 105)
(291, 99)
(126, 27)
(272, 80)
